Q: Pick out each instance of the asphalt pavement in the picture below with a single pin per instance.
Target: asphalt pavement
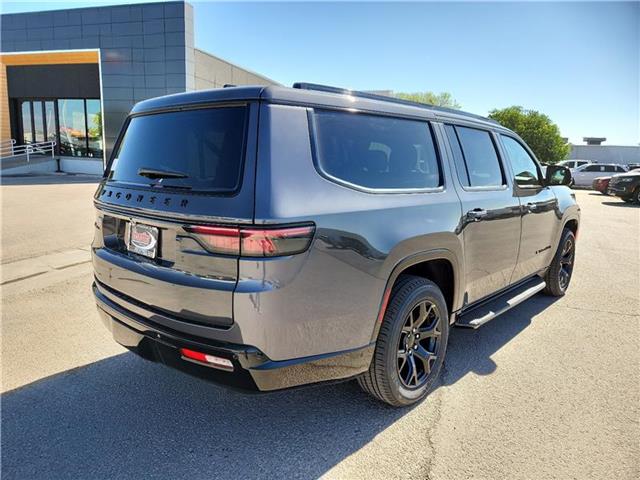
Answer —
(549, 390)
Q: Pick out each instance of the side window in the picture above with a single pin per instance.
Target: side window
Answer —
(480, 157)
(610, 168)
(592, 168)
(458, 157)
(620, 169)
(376, 152)
(524, 167)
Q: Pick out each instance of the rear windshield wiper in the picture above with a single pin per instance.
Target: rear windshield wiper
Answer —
(159, 173)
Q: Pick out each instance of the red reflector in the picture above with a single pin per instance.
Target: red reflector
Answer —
(211, 360)
(193, 355)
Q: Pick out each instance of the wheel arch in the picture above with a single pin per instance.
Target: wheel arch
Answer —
(441, 266)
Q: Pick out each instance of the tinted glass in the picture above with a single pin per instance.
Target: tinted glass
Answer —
(27, 134)
(480, 157)
(73, 134)
(592, 168)
(458, 158)
(94, 128)
(376, 152)
(524, 167)
(50, 120)
(206, 145)
(38, 122)
(620, 169)
(609, 168)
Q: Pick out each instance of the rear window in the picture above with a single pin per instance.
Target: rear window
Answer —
(193, 149)
(376, 152)
(482, 166)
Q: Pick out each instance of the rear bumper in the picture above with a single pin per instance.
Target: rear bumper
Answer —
(252, 369)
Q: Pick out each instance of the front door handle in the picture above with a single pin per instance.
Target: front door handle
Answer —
(476, 214)
(532, 207)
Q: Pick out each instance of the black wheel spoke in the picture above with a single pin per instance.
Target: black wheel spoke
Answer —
(426, 357)
(414, 371)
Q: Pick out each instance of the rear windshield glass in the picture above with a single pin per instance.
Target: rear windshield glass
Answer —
(193, 149)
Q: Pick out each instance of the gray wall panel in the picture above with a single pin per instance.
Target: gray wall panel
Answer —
(139, 44)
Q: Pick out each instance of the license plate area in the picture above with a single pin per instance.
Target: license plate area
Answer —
(142, 239)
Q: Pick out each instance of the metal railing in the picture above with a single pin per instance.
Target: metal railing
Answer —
(8, 148)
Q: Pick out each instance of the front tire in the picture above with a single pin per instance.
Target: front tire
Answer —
(559, 274)
(411, 345)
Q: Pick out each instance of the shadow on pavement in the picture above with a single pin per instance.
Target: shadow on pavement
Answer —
(124, 417)
(470, 350)
(621, 203)
(52, 179)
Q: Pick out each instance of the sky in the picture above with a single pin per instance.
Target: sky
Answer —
(577, 62)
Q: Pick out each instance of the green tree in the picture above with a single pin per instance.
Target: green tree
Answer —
(535, 128)
(442, 99)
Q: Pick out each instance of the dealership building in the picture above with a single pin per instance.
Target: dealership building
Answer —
(68, 78)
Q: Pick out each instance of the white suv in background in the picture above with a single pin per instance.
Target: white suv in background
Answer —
(571, 164)
(585, 175)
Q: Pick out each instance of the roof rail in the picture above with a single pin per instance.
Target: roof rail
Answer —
(383, 98)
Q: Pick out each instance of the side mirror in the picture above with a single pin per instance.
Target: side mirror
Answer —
(557, 175)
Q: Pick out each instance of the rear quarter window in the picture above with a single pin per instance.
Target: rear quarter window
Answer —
(206, 145)
(376, 152)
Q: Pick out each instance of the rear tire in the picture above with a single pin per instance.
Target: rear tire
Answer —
(411, 345)
(559, 274)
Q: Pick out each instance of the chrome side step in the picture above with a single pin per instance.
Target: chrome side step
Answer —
(485, 312)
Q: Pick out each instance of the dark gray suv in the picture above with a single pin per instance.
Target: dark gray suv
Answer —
(269, 237)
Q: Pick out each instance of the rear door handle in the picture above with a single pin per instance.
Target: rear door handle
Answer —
(476, 214)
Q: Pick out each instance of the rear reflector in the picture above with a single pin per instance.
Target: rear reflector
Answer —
(209, 360)
(254, 242)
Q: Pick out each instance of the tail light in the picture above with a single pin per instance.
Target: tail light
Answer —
(254, 242)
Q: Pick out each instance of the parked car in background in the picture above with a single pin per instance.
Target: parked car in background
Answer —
(585, 175)
(626, 186)
(601, 184)
(571, 164)
(272, 237)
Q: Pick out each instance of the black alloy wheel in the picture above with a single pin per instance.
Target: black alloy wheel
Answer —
(411, 343)
(419, 344)
(566, 263)
(559, 274)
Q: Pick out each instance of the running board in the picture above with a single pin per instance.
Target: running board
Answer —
(485, 312)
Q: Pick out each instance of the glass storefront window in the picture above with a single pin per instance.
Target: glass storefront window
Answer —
(75, 124)
(38, 122)
(73, 133)
(50, 120)
(27, 134)
(94, 128)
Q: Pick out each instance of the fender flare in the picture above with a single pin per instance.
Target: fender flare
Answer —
(402, 265)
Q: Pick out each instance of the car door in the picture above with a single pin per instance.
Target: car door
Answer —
(539, 209)
(490, 224)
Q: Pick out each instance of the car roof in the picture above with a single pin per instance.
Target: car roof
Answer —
(314, 96)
